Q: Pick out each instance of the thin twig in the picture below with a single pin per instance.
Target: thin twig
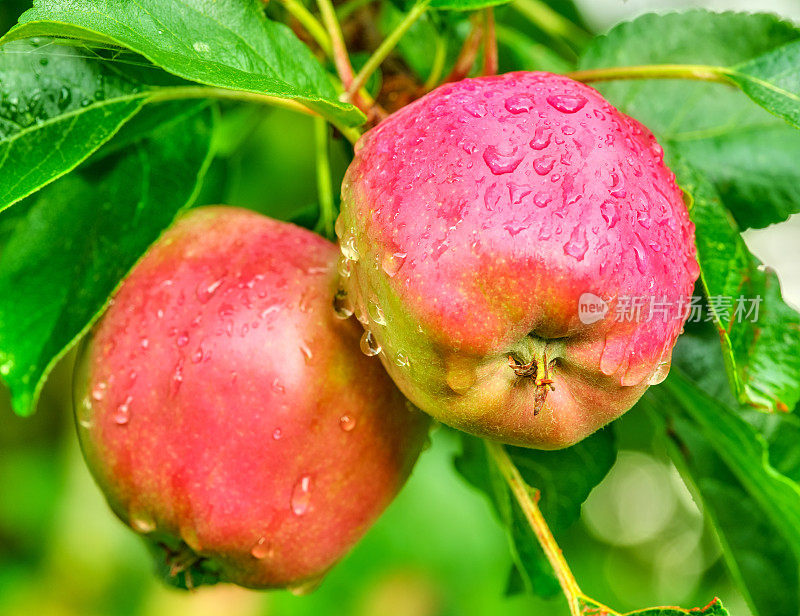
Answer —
(468, 53)
(490, 60)
(324, 182)
(439, 58)
(386, 47)
(341, 59)
(298, 10)
(569, 586)
(697, 72)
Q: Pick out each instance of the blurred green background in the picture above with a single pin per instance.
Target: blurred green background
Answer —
(437, 550)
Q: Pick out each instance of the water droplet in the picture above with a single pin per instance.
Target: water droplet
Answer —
(306, 351)
(500, 160)
(540, 139)
(304, 588)
(85, 413)
(205, 291)
(518, 193)
(342, 306)
(226, 310)
(392, 262)
(183, 339)
(201, 47)
(641, 260)
(577, 245)
(609, 213)
(348, 248)
(143, 522)
(541, 199)
(277, 434)
(543, 165)
(401, 360)
(369, 346)
(661, 372)
(376, 314)
(338, 226)
(64, 97)
(99, 391)
(177, 377)
(568, 130)
(198, 354)
(122, 414)
(277, 387)
(475, 109)
(145, 343)
(347, 423)
(620, 193)
(262, 549)
(567, 103)
(460, 376)
(519, 103)
(344, 267)
(301, 495)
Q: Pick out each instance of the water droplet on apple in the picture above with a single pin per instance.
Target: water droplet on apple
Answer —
(376, 314)
(277, 387)
(401, 360)
(338, 226)
(306, 351)
(541, 199)
(85, 413)
(277, 434)
(567, 103)
(348, 248)
(577, 245)
(122, 414)
(543, 165)
(183, 339)
(205, 291)
(262, 549)
(519, 103)
(301, 495)
(342, 306)
(541, 139)
(609, 213)
(392, 262)
(501, 159)
(305, 588)
(142, 522)
(344, 267)
(661, 372)
(347, 423)
(99, 391)
(369, 346)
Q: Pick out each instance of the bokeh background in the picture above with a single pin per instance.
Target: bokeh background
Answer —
(438, 549)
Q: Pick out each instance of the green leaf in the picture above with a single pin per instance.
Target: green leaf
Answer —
(773, 81)
(563, 479)
(79, 238)
(225, 43)
(56, 107)
(522, 53)
(755, 552)
(760, 334)
(743, 450)
(745, 151)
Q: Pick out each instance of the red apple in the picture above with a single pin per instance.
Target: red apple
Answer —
(227, 412)
(480, 220)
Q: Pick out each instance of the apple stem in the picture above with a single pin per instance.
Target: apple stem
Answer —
(527, 499)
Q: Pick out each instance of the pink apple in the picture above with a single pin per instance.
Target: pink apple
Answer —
(227, 412)
(473, 222)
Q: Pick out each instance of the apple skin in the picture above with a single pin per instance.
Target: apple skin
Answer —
(228, 414)
(474, 219)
